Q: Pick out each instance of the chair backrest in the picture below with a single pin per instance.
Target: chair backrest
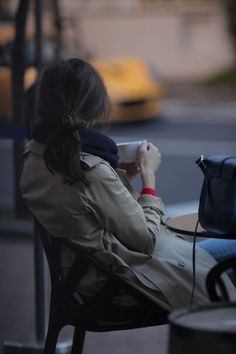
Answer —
(52, 247)
(214, 283)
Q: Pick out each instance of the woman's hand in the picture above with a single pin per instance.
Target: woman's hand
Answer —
(132, 170)
(149, 159)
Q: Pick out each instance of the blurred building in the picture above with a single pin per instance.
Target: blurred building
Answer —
(183, 39)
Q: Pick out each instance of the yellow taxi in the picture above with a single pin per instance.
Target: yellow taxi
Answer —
(135, 95)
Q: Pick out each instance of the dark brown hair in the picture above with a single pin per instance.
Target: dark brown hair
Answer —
(71, 94)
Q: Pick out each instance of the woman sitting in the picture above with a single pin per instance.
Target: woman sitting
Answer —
(73, 184)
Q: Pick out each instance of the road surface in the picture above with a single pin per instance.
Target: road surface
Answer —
(182, 133)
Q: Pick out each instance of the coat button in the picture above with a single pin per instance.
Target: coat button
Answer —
(181, 264)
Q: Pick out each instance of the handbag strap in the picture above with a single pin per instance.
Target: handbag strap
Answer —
(194, 262)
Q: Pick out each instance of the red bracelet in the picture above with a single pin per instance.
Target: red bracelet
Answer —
(150, 191)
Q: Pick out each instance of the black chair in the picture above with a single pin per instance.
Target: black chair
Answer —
(215, 286)
(97, 313)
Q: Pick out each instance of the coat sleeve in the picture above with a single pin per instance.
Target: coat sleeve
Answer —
(135, 224)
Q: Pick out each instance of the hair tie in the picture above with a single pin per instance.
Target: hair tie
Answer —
(69, 121)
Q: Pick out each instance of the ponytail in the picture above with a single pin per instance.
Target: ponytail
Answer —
(62, 151)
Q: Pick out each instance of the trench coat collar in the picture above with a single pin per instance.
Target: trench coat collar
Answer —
(88, 159)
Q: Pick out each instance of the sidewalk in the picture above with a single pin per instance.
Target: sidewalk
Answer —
(196, 94)
(193, 103)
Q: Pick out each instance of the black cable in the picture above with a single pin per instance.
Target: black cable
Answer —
(194, 262)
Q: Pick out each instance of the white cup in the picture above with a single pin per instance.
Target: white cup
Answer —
(128, 151)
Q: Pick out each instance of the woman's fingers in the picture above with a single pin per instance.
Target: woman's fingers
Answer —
(149, 157)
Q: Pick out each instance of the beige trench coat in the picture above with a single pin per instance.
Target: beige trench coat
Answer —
(121, 229)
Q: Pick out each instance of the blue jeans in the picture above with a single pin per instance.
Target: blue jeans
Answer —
(220, 249)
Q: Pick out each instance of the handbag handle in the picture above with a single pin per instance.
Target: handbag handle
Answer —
(200, 162)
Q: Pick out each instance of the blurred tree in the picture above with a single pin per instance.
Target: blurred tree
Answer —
(230, 7)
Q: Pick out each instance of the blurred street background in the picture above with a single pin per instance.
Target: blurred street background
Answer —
(189, 47)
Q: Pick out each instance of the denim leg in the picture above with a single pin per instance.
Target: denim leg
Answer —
(220, 249)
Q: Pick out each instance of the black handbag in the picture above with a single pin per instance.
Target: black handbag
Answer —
(217, 204)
